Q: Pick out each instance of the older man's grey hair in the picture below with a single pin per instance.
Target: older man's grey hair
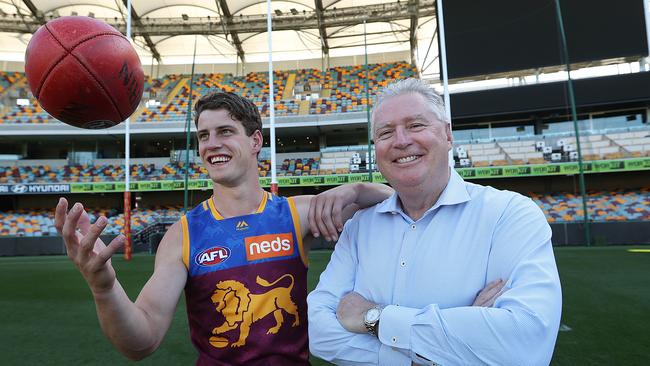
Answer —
(413, 86)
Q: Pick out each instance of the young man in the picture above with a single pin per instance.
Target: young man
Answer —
(239, 255)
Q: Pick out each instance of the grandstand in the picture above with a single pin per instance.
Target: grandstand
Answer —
(512, 127)
(512, 122)
(339, 93)
(561, 207)
(338, 90)
(547, 149)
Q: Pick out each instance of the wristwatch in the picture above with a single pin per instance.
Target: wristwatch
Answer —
(371, 320)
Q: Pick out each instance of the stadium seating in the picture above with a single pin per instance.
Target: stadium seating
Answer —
(552, 149)
(76, 173)
(344, 87)
(32, 113)
(620, 205)
(634, 143)
(604, 206)
(41, 222)
(347, 159)
(8, 79)
(344, 159)
(176, 170)
(160, 88)
(264, 167)
(307, 165)
(299, 166)
(140, 218)
(338, 90)
(27, 223)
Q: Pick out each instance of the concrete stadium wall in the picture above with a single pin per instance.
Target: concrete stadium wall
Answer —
(148, 160)
(53, 245)
(565, 234)
(44, 245)
(49, 201)
(569, 183)
(34, 162)
(14, 246)
(602, 233)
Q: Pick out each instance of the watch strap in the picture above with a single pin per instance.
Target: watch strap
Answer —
(373, 327)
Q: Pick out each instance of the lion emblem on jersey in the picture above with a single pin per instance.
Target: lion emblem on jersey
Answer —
(241, 308)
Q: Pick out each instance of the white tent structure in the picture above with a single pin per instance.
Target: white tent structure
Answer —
(234, 31)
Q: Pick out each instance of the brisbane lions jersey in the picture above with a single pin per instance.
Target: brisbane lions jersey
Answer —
(246, 290)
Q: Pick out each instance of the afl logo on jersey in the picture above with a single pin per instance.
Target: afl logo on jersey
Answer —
(212, 256)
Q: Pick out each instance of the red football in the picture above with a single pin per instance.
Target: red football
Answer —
(84, 72)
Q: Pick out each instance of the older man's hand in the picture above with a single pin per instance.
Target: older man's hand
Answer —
(352, 307)
(351, 311)
(490, 293)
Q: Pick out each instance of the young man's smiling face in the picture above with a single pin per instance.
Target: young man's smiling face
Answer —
(228, 154)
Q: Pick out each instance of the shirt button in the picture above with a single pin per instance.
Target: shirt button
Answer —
(413, 227)
(394, 339)
(402, 263)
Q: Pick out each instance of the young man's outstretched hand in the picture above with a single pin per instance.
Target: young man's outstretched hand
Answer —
(89, 253)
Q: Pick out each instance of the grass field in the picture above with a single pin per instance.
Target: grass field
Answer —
(47, 316)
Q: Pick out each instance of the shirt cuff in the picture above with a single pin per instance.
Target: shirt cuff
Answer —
(395, 326)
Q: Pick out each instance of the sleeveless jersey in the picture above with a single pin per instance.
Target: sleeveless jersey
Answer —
(246, 290)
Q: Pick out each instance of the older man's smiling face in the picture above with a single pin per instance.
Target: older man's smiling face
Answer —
(411, 143)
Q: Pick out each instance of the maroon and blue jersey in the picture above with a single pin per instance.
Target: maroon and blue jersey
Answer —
(246, 290)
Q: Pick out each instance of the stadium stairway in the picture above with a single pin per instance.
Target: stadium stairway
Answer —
(304, 107)
(20, 82)
(140, 109)
(288, 88)
(174, 93)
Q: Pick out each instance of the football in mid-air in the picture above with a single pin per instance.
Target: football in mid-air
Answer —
(84, 72)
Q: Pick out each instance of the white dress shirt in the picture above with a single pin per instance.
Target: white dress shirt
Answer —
(428, 272)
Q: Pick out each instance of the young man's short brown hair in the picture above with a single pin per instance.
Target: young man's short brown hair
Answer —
(239, 108)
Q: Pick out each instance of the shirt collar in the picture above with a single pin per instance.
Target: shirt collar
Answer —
(389, 205)
(454, 193)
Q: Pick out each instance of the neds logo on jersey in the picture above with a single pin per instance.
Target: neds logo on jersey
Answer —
(269, 246)
(212, 256)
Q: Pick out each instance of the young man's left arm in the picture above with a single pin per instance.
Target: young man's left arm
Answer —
(324, 214)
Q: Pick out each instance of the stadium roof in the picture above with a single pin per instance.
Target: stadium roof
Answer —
(227, 31)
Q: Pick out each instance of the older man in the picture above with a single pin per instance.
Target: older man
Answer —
(400, 283)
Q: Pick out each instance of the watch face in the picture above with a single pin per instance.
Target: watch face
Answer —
(372, 315)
